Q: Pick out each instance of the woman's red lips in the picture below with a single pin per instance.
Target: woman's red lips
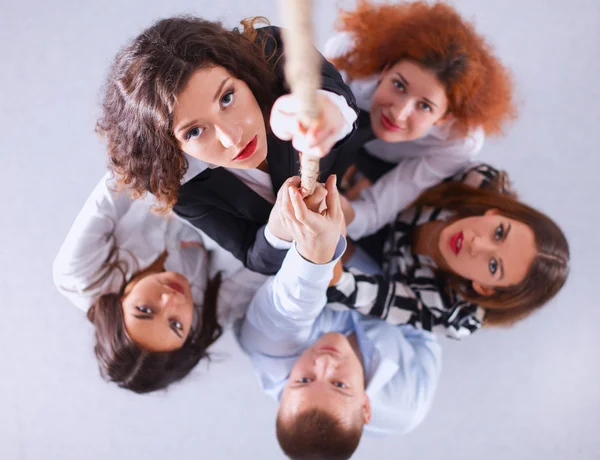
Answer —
(248, 150)
(456, 242)
(176, 287)
(389, 124)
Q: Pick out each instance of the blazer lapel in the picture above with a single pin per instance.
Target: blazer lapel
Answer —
(283, 161)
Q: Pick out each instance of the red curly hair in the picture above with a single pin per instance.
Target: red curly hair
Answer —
(479, 88)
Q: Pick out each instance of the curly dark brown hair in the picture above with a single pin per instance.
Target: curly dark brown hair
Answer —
(479, 88)
(142, 88)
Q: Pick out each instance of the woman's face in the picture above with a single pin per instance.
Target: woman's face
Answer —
(490, 250)
(407, 102)
(158, 311)
(218, 120)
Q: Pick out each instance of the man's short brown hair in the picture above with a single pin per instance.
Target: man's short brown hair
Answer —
(317, 435)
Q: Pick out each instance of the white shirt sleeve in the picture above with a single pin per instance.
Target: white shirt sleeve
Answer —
(348, 114)
(275, 241)
(379, 204)
(281, 315)
(83, 255)
(414, 385)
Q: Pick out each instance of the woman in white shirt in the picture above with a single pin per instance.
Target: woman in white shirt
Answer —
(432, 89)
(142, 278)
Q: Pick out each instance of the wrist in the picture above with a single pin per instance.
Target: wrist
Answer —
(316, 253)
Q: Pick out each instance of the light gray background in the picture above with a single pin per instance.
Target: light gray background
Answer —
(523, 393)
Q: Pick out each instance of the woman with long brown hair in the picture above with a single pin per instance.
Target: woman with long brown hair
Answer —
(199, 116)
(467, 253)
(142, 278)
(431, 89)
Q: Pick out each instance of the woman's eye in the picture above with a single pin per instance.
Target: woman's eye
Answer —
(340, 384)
(499, 233)
(424, 106)
(177, 325)
(193, 133)
(304, 380)
(227, 98)
(399, 85)
(493, 266)
(145, 310)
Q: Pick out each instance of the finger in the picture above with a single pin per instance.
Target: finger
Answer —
(333, 197)
(290, 181)
(286, 206)
(293, 181)
(300, 210)
(313, 202)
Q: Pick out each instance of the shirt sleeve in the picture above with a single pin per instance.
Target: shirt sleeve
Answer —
(379, 204)
(281, 315)
(398, 302)
(411, 391)
(90, 245)
(348, 114)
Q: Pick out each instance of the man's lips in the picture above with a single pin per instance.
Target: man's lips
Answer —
(176, 287)
(248, 150)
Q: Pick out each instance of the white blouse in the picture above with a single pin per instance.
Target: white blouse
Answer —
(422, 163)
(111, 220)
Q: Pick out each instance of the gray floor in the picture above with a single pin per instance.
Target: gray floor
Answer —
(524, 393)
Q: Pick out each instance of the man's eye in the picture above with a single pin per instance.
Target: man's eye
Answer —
(340, 384)
(304, 380)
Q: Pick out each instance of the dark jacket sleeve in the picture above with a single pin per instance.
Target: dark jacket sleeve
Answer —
(245, 239)
(222, 218)
(331, 80)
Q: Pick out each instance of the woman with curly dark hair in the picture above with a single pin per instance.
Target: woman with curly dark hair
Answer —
(198, 115)
(142, 278)
(432, 90)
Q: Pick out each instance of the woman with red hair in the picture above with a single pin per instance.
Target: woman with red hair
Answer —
(432, 89)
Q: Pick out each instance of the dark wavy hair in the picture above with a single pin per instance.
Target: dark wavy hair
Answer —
(317, 435)
(123, 362)
(478, 86)
(142, 88)
(548, 271)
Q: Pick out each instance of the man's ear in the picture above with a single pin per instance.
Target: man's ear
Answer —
(366, 410)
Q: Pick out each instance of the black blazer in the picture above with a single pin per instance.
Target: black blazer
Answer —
(231, 213)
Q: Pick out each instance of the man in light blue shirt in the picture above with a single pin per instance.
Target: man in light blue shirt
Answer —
(333, 372)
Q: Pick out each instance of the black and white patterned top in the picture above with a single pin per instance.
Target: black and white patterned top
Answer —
(410, 292)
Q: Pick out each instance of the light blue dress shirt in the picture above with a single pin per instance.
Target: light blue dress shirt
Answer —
(288, 314)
